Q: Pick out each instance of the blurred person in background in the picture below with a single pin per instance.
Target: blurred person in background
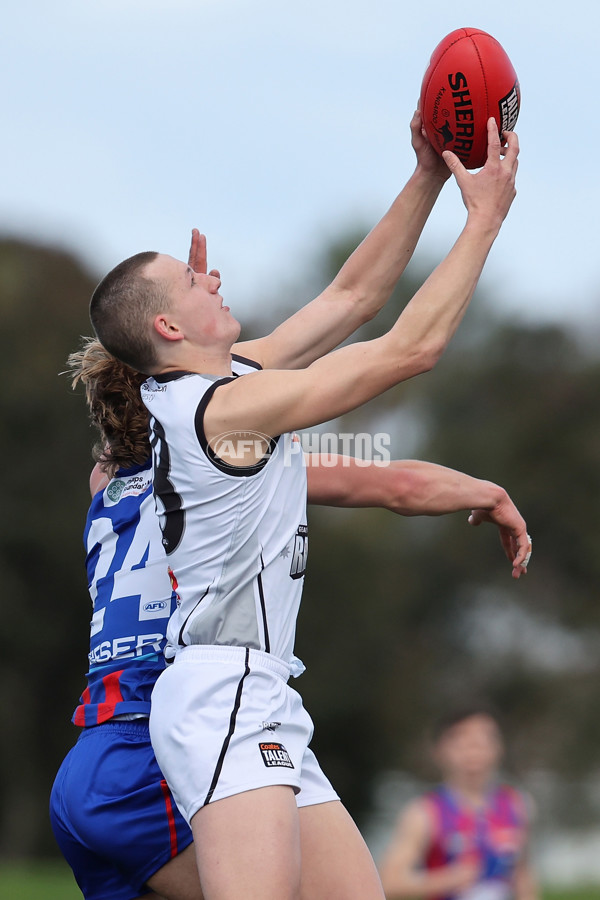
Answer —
(467, 839)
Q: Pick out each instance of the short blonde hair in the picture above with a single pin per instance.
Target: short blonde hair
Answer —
(122, 308)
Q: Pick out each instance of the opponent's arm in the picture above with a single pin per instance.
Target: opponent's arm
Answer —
(365, 282)
(525, 882)
(277, 401)
(399, 866)
(415, 488)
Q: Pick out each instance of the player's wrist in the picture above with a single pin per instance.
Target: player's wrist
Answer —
(497, 497)
(483, 225)
(429, 178)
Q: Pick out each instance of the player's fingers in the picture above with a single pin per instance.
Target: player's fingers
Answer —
(202, 258)
(193, 246)
(416, 125)
(522, 558)
(508, 544)
(453, 163)
(522, 555)
(493, 150)
(525, 548)
(215, 272)
(197, 257)
(512, 146)
(503, 146)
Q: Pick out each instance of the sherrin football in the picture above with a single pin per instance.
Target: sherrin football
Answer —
(469, 79)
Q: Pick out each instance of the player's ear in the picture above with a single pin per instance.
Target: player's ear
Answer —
(166, 329)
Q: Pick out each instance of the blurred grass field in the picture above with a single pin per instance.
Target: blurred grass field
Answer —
(53, 881)
(37, 881)
(592, 893)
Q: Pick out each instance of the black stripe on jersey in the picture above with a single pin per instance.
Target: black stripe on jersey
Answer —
(234, 712)
(263, 606)
(218, 463)
(180, 639)
(172, 523)
(165, 377)
(180, 373)
(246, 361)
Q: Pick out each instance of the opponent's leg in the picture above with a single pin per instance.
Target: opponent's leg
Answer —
(248, 845)
(336, 862)
(178, 879)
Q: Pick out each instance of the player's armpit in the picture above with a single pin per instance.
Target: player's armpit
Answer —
(274, 402)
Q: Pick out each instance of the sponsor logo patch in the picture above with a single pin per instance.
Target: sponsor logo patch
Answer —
(150, 389)
(114, 490)
(275, 755)
(133, 486)
(298, 564)
(154, 609)
(509, 109)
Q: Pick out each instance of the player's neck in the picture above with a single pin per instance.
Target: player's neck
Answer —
(201, 360)
(472, 789)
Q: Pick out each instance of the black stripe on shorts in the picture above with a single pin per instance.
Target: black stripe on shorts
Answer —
(234, 712)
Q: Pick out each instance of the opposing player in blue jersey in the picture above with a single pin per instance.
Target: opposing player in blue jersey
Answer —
(111, 810)
(229, 733)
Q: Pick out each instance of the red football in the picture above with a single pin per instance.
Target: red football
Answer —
(469, 79)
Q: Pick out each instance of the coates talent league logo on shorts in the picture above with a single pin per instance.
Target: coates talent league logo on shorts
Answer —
(275, 755)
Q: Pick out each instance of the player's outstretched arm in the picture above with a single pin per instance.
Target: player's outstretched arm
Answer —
(416, 488)
(276, 401)
(367, 279)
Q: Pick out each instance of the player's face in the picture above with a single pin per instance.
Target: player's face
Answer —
(196, 305)
(471, 748)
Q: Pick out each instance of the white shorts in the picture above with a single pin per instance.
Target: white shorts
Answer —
(224, 720)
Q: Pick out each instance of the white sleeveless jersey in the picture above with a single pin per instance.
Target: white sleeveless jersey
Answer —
(236, 538)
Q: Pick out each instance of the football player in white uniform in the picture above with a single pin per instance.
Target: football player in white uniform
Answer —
(230, 735)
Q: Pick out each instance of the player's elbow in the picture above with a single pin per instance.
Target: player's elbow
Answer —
(406, 358)
(361, 305)
(367, 308)
(427, 354)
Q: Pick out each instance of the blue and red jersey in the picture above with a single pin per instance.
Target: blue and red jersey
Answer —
(492, 836)
(132, 598)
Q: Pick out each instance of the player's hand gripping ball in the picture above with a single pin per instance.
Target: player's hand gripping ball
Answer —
(469, 79)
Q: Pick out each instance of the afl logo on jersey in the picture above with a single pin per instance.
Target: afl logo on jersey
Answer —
(155, 605)
(154, 609)
(243, 449)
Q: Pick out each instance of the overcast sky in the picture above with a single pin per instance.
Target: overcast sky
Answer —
(273, 125)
